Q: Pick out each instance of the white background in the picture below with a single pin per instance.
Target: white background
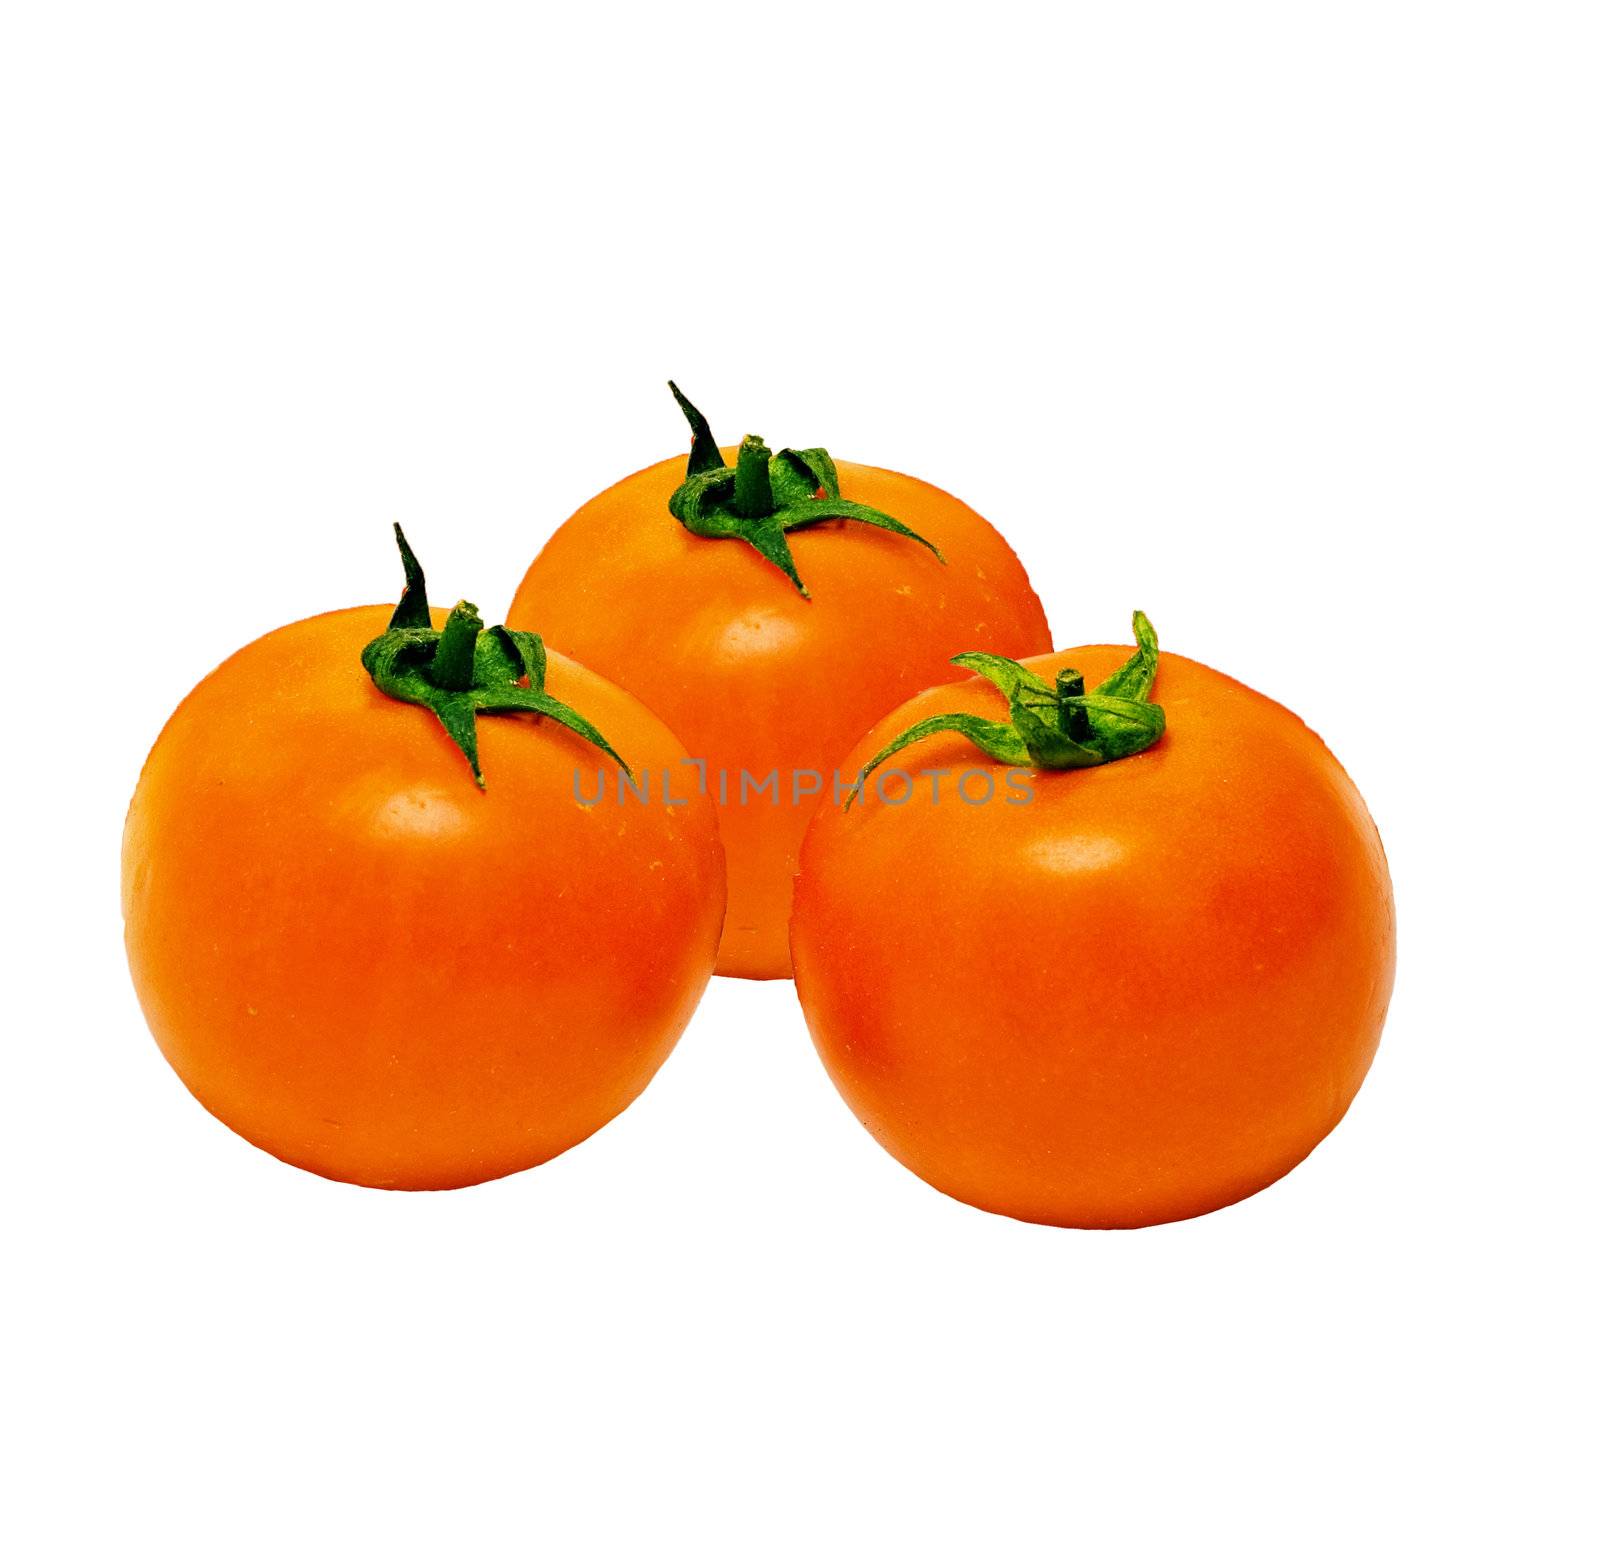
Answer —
(1276, 321)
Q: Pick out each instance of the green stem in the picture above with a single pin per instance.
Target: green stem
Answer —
(1056, 729)
(464, 670)
(1069, 683)
(458, 643)
(752, 480)
(765, 496)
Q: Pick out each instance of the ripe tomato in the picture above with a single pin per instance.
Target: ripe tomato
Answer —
(372, 968)
(1106, 997)
(706, 622)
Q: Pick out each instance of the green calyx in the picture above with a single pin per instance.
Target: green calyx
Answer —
(464, 669)
(1057, 727)
(763, 496)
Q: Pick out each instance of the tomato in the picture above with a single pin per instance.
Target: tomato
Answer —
(1114, 994)
(769, 651)
(373, 968)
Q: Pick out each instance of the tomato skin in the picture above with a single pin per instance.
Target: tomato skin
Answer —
(755, 678)
(372, 969)
(1145, 994)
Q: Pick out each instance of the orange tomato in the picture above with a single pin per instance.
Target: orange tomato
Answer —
(1107, 997)
(371, 968)
(768, 688)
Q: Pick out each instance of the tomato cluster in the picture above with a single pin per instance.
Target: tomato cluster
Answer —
(1095, 938)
